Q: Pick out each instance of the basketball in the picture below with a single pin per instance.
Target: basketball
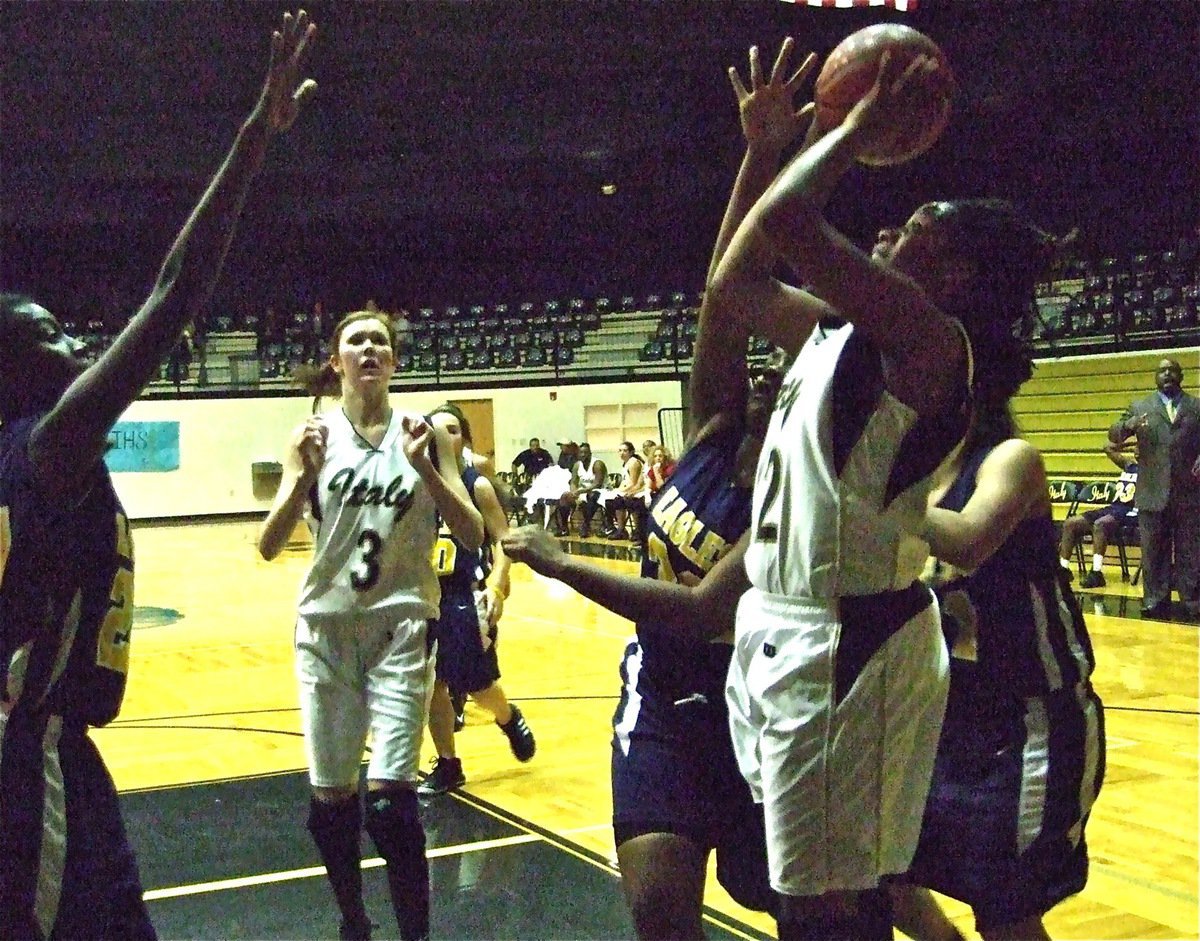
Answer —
(850, 71)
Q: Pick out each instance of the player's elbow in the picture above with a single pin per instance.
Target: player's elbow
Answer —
(472, 534)
(267, 548)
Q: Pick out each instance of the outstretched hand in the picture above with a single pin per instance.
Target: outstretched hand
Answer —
(536, 548)
(767, 109)
(284, 91)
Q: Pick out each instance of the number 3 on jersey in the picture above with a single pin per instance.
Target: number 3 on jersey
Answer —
(364, 575)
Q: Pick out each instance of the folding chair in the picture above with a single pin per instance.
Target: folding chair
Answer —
(1097, 494)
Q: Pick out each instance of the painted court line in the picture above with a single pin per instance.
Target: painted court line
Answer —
(268, 878)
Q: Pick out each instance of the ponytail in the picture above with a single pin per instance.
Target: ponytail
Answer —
(318, 381)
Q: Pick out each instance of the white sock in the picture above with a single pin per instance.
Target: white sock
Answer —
(1097, 562)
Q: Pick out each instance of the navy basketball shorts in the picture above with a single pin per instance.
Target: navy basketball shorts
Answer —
(68, 870)
(674, 771)
(1012, 790)
(1120, 512)
(462, 662)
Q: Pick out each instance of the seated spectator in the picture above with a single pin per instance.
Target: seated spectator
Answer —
(626, 497)
(1101, 522)
(647, 454)
(660, 467)
(549, 489)
(532, 461)
(588, 475)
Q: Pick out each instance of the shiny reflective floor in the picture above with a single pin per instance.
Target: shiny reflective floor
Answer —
(492, 875)
(209, 759)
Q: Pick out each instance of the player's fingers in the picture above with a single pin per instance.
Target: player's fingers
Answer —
(756, 79)
(801, 73)
(738, 88)
(780, 66)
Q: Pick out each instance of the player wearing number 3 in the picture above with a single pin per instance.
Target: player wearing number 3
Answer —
(66, 560)
(373, 484)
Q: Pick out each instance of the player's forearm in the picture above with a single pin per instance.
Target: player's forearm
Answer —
(792, 208)
(461, 517)
(185, 282)
(759, 166)
(498, 579)
(958, 539)
(678, 610)
(285, 513)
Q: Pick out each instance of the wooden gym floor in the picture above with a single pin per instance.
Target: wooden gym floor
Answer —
(210, 764)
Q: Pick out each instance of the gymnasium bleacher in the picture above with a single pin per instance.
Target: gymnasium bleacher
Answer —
(1066, 409)
(1106, 307)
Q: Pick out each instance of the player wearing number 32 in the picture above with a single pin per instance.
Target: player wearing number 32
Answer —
(373, 484)
(839, 676)
(66, 560)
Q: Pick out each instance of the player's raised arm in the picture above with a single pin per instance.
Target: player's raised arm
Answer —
(770, 123)
(742, 295)
(71, 438)
(301, 464)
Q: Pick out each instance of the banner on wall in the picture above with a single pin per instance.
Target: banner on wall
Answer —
(143, 446)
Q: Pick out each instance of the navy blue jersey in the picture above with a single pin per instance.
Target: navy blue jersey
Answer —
(696, 518)
(461, 570)
(1014, 617)
(66, 592)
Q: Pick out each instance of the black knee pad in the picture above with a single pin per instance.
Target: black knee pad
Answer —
(394, 823)
(329, 818)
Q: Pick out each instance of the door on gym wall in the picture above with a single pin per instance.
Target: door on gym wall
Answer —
(479, 413)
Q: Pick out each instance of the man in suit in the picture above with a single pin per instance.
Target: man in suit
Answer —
(1166, 424)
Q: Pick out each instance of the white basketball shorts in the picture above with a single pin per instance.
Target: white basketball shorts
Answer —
(840, 754)
(360, 676)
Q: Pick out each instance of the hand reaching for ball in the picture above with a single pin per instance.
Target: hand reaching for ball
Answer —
(895, 86)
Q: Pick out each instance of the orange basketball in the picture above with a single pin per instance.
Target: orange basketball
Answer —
(850, 71)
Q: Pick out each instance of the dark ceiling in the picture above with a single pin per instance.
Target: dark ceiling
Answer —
(455, 150)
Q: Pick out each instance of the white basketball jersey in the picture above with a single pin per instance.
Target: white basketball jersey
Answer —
(837, 505)
(587, 475)
(375, 525)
